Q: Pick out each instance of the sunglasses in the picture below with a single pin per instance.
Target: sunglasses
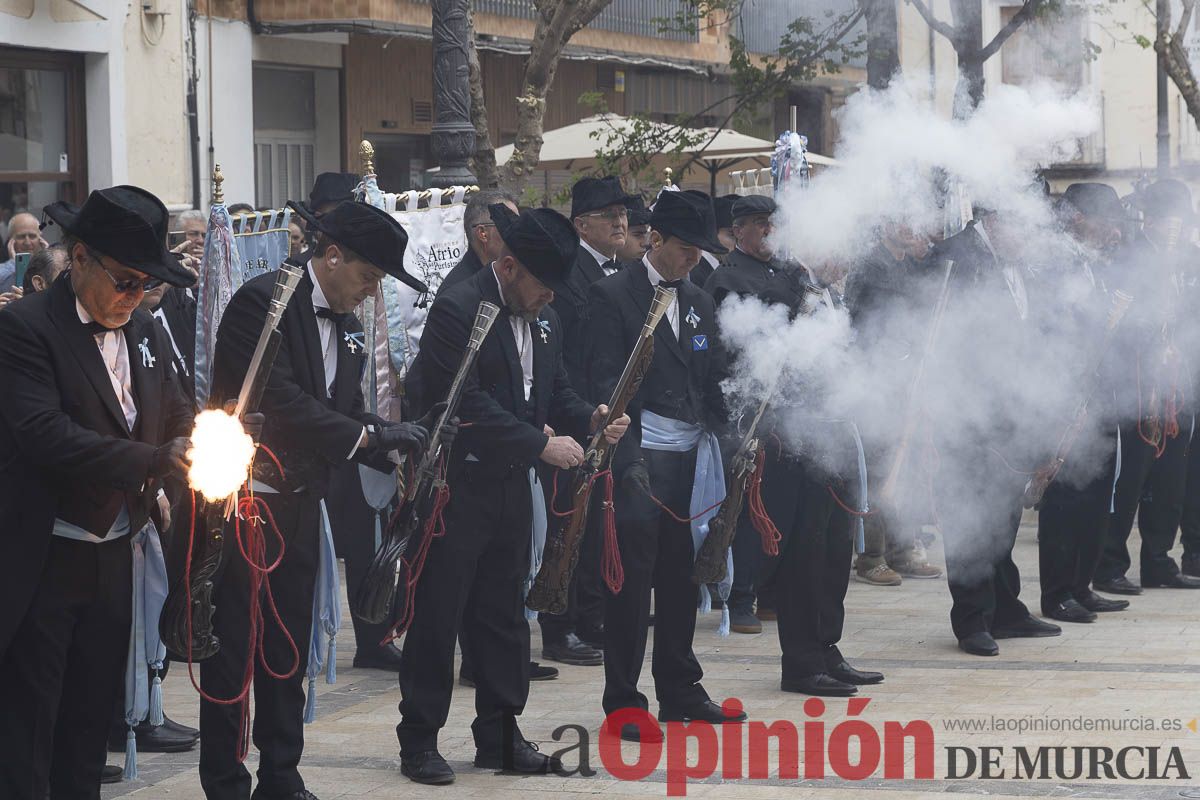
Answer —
(130, 285)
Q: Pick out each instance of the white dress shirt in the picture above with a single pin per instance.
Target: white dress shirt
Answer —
(524, 339)
(601, 259)
(673, 309)
(326, 330)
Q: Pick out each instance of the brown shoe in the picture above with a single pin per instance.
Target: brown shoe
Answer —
(917, 569)
(881, 575)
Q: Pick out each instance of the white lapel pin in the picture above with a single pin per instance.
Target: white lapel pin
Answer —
(545, 329)
(353, 342)
(692, 318)
(147, 357)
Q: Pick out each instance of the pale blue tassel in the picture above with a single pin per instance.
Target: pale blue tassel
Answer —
(705, 600)
(131, 772)
(310, 703)
(723, 628)
(331, 662)
(156, 701)
(530, 614)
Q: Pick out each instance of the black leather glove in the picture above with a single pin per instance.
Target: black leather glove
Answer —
(407, 437)
(637, 478)
(252, 424)
(171, 459)
(449, 430)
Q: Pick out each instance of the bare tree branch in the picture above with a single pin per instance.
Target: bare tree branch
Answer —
(941, 27)
(1028, 10)
(1185, 19)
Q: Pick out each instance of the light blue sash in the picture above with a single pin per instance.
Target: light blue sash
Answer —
(327, 618)
(537, 542)
(708, 486)
(142, 696)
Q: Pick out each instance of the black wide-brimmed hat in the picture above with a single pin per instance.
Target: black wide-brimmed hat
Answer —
(593, 194)
(543, 240)
(1167, 198)
(127, 224)
(1097, 200)
(636, 208)
(723, 208)
(370, 232)
(688, 216)
(332, 187)
(752, 205)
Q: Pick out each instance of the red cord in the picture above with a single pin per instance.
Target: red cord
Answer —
(684, 520)
(253, 549)
(610, 564)
(759, 518)
(852, 512)
(434, 528)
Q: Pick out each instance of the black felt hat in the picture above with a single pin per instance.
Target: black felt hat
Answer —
(723, 208)
(127, 224)
(593, 194)
(753, 205)
(1098, 200)
(1167, 198)
(543, 240)
(688, 216)
(332, 187)
(370, 232)
(638, 213)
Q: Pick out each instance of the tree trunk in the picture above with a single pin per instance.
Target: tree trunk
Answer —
(968, 46)
(883, 56)
(483, 160)
(1174, 61)
(558, 21)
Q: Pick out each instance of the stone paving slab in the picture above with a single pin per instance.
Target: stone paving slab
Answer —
(1137, 665)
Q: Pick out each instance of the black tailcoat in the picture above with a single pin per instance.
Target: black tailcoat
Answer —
(463, 270)
(65, 448)
(179, 309)
(572, 309)
(741, 274)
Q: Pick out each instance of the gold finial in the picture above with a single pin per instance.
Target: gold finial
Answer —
(366, 154)
(218, 196)
(667, 171)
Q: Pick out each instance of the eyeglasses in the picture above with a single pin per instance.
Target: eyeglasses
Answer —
(129, 285)
(612, 215)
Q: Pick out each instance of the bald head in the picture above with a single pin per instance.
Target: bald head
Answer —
(24, 234)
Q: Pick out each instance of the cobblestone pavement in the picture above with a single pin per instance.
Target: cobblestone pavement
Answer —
(1130, 667)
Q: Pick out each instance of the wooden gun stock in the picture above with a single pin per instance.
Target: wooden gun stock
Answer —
(549, 590)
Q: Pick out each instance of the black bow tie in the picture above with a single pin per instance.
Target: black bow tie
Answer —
(611, 264)
(339, 320)
(95, 328)
(672, 284)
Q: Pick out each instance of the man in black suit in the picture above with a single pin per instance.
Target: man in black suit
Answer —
(599, 214)
(483, 243)
(675, 416)
(314, 402)
(175, 310)
(709, 262)
(637, 232)
(92, 422)
(518, 410)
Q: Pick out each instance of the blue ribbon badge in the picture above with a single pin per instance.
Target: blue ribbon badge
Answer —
(354, 341)
(545, 329)
(699, 342)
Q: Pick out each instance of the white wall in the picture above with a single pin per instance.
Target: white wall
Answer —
(232, 120)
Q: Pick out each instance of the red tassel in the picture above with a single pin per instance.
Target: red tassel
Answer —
(770, 535)
(614, 572)
(435, 528)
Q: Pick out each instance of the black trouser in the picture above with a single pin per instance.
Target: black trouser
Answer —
(809, 578)
(62, 671)
(656, 553)
(278, 704)
(585, 595)
(472, 582)
(979, 504)
(1152, 489)
(1073, 520)
(352, 521)
(747, 564)
(1189, 525)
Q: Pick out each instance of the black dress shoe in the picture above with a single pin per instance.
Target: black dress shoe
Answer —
(524, 758)
(151, 739)
(1069, 611)
(979, 644)
(385, 656)
(708, 711)
(572, 651)
(592, 637)
(428, 767)
(179, 728)
(1190, 565)
(650, 734)
(303, 794)
(1028, 628)
(1174, 581)
(1094, 602)
(819, 685)
(111, 774)
(848, 674)
(539, 673)
(1117, 585)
